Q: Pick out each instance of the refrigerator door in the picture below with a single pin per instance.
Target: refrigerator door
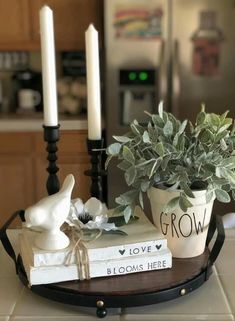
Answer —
(135, 38)
(203, 53)
(205, 37)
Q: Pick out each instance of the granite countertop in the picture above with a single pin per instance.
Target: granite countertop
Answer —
(33, 122)
(214, 300)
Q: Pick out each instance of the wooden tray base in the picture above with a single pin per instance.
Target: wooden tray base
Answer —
(129, 290)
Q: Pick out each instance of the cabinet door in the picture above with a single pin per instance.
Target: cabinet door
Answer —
(71, 19)
(72, 159)
(16, 173)
(16, 186)
(75, 165)
(14, 23)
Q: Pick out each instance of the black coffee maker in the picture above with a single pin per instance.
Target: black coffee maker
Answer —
(27, 79)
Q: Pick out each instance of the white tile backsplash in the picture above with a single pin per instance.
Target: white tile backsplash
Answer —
(62, 318)
(230, 233)
(180, 317)
(7, 266)
(10, 291)
(33, 305)
(225, 263)
(207, 300)
(228, 283)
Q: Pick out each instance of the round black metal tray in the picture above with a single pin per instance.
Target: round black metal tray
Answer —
(129, 290)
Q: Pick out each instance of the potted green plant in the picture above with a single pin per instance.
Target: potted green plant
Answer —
(182, 167)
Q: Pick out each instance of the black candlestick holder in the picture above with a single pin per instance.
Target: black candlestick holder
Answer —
(96, 172)
(51, 136)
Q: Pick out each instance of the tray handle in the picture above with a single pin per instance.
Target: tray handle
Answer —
(216, 223)
(4, 238)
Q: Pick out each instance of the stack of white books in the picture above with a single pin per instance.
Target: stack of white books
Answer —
(144, 248)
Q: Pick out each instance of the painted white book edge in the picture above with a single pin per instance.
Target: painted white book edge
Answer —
(53, 274)
(41, 258)
(107, 246)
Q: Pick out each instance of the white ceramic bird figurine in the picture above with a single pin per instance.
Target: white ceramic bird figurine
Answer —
(49, 214)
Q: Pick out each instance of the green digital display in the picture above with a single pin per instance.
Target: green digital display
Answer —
(137, 77)
(143, 75)
(132, 75)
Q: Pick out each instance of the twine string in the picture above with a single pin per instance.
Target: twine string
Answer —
(79, 251)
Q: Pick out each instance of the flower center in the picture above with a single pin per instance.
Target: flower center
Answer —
(85, 218)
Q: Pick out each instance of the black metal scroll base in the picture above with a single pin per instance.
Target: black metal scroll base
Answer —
(131, 290)
(94, 149)
(51, 136)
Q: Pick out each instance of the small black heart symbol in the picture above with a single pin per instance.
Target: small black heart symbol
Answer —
(158, 246)
(121, 252)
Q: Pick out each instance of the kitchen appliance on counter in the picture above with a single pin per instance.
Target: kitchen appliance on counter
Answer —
(27, 91)
(189, 44)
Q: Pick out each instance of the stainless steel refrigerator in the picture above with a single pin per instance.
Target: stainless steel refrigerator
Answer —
(178, 51)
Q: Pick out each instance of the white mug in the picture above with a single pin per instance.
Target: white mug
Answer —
(28, 98)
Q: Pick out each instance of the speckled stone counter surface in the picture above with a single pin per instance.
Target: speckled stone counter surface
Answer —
(214, 300)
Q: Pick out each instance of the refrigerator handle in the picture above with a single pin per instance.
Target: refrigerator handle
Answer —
(175, 78)
(162, 73)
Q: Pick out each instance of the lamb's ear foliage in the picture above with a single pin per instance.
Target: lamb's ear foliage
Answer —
(179, 155)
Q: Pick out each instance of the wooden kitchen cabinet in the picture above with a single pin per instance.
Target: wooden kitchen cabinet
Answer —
(14, 24)
(72, 158)
(16, 173)
(16, 182)
(71, 19)
(23, 165)
(19, 23)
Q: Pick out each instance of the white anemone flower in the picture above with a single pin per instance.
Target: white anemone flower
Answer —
(91, 215)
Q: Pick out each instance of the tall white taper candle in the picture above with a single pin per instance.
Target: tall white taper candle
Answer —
(93, 83)
(48, 67)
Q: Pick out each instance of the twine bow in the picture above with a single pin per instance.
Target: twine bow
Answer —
(79, 251)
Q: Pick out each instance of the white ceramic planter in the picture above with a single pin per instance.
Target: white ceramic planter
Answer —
(185, 232)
